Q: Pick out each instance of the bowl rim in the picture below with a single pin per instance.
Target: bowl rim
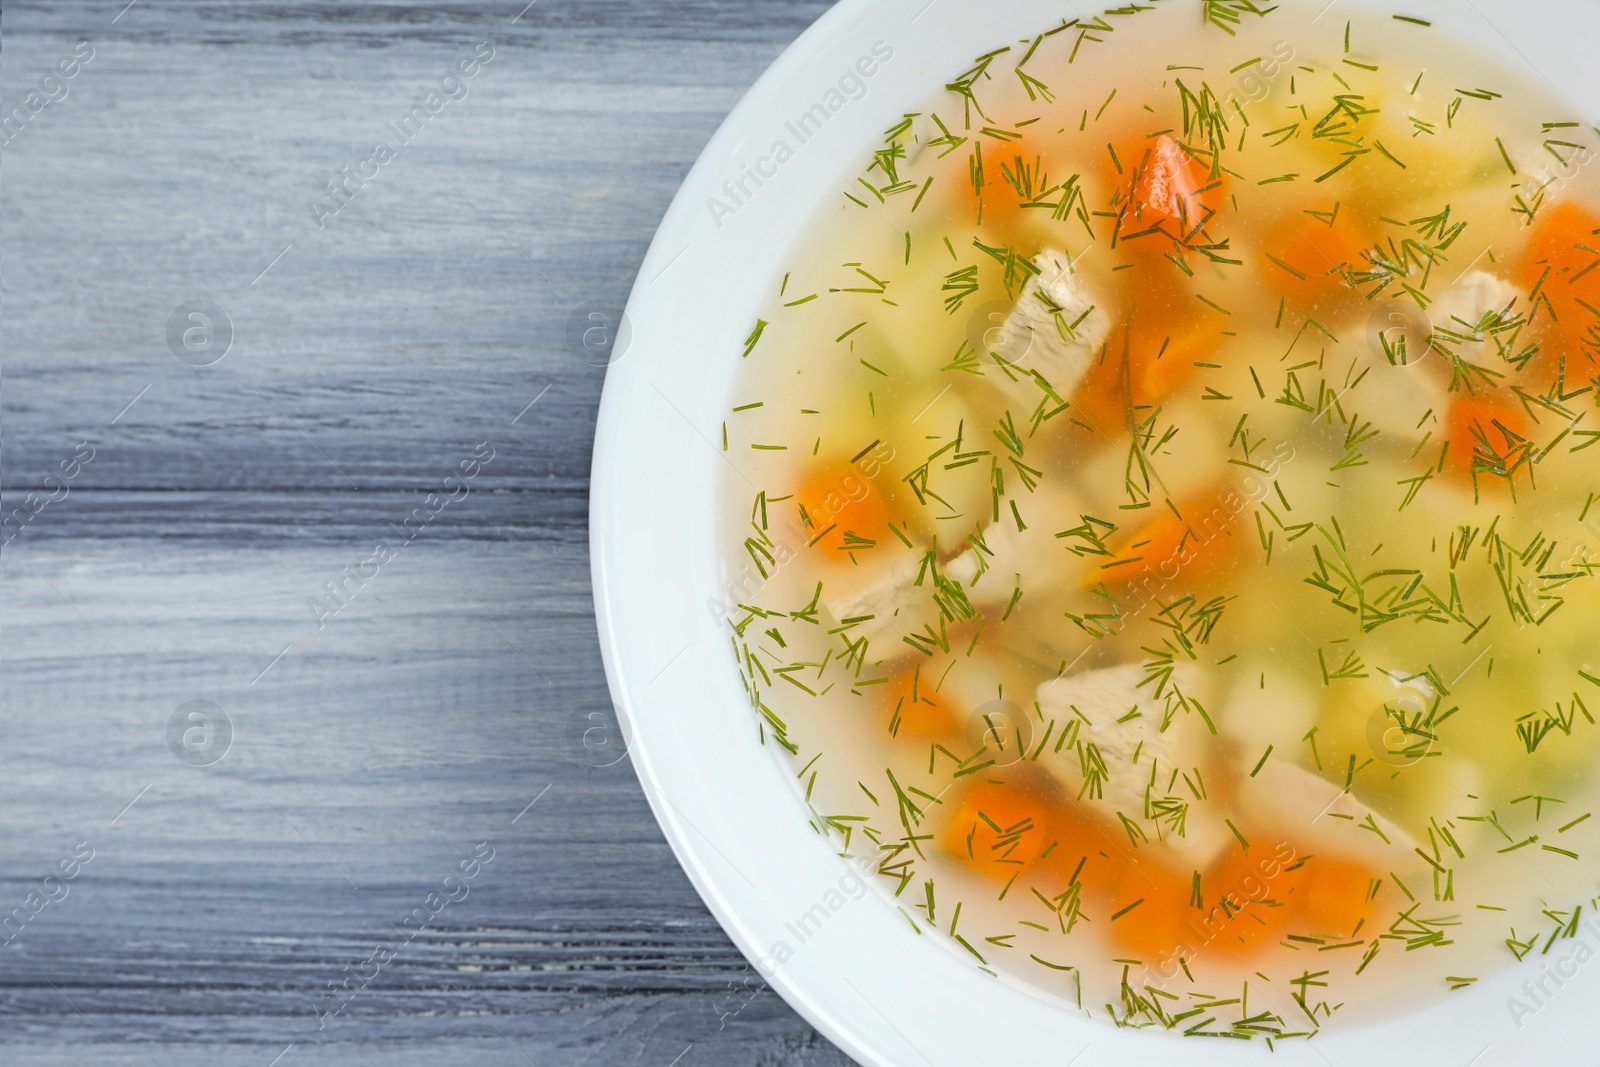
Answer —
(650, 585)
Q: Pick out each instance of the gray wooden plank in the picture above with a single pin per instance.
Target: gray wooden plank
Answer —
(181, 164)
(374, 746)
(379, 750)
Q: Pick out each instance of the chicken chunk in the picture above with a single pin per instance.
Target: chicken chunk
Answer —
(1397, 399)
(1055, 330)
(998, 557)
(1322, 816)
(887, 593)
(1471, 307)
(1140, 737)
(1130, 735)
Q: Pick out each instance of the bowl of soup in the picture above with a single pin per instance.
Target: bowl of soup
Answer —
(1097, 531)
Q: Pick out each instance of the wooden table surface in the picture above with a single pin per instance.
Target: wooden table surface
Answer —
(215, 510)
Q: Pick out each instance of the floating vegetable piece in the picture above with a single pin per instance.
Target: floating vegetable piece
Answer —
(1558, 271)
(837, 501)
(1000, 828)
(1173, 190)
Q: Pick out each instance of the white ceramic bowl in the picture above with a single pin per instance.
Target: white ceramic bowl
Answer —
(727, 805)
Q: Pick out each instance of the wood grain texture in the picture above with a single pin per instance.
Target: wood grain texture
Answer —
(373, 747)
